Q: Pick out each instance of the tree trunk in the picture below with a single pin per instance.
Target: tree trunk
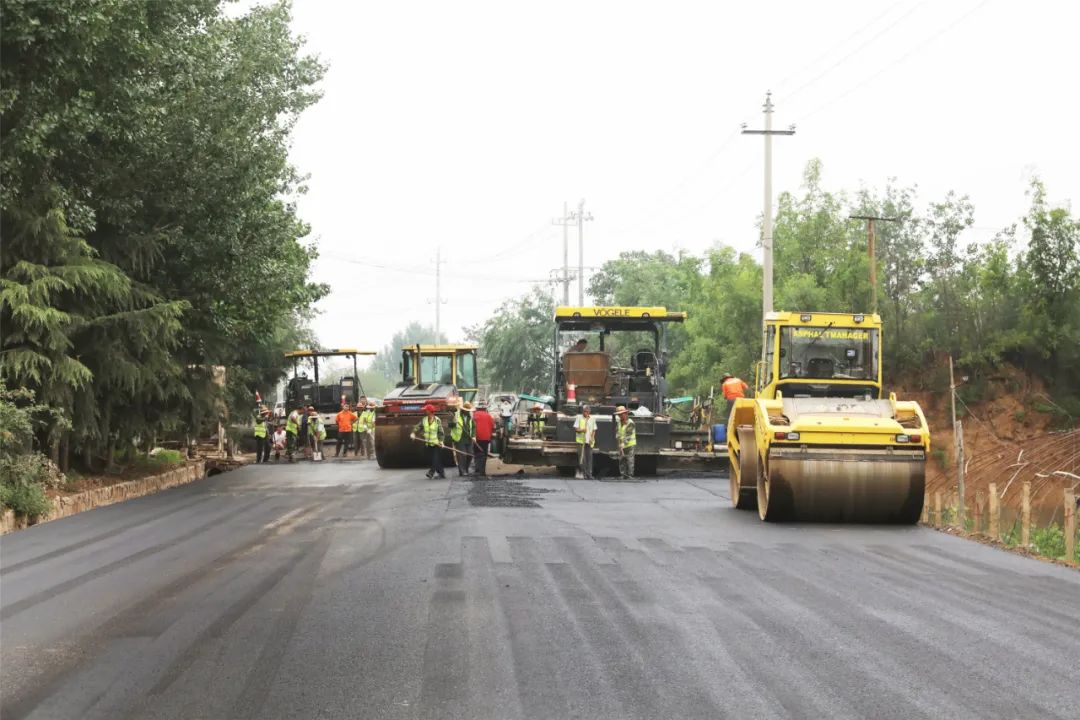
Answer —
(106, 428)
(65, 452)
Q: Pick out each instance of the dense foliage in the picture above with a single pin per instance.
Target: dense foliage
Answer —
(148, 234)
(516, 344)
(24, 473)
(1013, 297)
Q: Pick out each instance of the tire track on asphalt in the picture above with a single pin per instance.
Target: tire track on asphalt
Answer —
(256, 690)
(31, 600)
(691, 606)
(51, 680)
(123, 528)
(626, 644)
(548, 647)
(836, 606)
(965, 612)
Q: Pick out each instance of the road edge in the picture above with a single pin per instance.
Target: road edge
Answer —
(107, 495)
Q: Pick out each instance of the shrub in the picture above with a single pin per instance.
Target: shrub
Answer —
(1049, 541)
(23, 486)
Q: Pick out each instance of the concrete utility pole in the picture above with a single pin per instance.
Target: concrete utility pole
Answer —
(958, 442)
(438, 292)
(766, 224)
(871, 238)
(565, 221)
(581, 216)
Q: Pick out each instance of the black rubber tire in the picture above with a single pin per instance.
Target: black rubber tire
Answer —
(744, 495)
(774, 499)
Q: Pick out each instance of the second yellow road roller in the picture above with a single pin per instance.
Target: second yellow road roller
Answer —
(820, 441)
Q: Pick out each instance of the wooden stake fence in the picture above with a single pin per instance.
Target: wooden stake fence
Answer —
(995, 513)
(1070, 527)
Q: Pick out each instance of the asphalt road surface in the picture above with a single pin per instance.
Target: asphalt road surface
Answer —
(342, 591)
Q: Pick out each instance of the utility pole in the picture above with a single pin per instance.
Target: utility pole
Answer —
(871, 238)
(581, 216)
(766, 224)
(565, 221)
(438, 292)
(958, 442)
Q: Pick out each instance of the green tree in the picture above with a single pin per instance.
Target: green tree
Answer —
(638, 278)
(724, 326)
(516, 344)
(149, 233)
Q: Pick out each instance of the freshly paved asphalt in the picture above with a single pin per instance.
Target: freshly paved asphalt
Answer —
(343, 591)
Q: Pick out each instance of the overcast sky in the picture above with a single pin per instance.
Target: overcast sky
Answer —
(466, 125)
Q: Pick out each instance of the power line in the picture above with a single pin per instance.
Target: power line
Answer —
(840, 44)
(914, 49)
(854, 52)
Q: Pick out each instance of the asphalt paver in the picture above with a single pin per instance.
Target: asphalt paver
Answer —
(339, 590)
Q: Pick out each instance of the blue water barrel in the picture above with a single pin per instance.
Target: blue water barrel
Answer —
(719, 434)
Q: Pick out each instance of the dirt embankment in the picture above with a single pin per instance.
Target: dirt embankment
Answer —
(1012, 433)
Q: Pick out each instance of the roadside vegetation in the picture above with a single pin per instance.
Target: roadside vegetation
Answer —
(987, 298)
(149, 231)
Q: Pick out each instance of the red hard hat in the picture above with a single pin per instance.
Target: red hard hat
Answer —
(429, 408)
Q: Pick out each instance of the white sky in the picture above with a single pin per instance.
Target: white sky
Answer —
(466, 125)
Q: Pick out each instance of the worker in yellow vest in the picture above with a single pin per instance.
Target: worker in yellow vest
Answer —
(262, 436)
(366, 437)
(536, 421)
(292, 431)
(626, 434)
(585, 434)
(430, 431)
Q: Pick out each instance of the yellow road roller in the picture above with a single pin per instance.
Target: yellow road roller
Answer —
(819, 442)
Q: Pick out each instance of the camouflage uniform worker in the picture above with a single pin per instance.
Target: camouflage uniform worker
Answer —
(292, 430)
(627, 436)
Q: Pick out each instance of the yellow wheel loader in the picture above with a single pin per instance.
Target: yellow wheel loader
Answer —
(819, 442)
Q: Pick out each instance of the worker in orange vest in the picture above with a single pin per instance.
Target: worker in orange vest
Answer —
(733, 389)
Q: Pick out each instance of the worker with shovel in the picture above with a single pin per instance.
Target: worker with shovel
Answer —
(585, 434)
(430, 431)
(464, 438)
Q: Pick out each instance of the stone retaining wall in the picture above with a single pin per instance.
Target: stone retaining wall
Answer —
(99, 497)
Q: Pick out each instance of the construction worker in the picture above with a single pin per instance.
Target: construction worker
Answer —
(316, 432)
(358, 426)
(366, 437)
(345, 419)
(485, 426)
(456, 429)
(303, 437)
(627, 437)
(585, 434)
(430, 431)
(733, 389)
(536, 421)
(466, 440)
(580, 346)
(281, 439)
(292, 432)
(262, 439)
(506, 412)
